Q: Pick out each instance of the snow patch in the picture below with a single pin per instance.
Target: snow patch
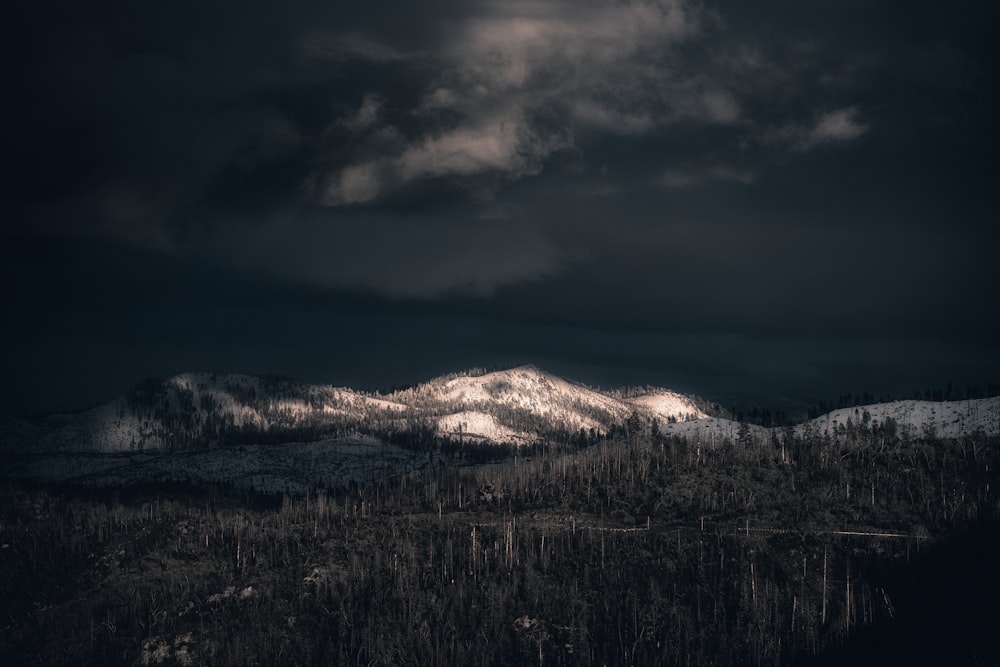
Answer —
(914, 419)
(479, 426)
(668, 405)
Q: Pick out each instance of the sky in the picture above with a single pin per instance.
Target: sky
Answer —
(752, 203)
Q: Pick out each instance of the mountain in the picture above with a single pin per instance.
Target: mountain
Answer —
(944, 419)
(517, 406)
(910, 418)
(208, 428)
(197, 410)
(201, 410)
(524, 402)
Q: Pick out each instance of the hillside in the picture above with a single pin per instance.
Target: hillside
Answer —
(910, 418)
(944, 419)
(199, 410)
(518, 406)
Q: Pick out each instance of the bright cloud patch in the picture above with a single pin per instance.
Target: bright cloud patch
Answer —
(518, 81)
(831, 127)
(837, 126)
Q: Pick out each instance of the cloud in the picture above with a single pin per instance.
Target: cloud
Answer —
(367, 116)
(503, 144)
(720, 106)
(682, 178)
(835, 126)
(324, 45)
(598, 116)
(724, 173)
(355, 184)
(151, 195)
(516, 82)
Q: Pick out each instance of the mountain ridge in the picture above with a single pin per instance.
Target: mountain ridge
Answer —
(188, 410)
(517, 406)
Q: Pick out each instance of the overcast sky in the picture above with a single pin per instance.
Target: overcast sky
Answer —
(780, 201)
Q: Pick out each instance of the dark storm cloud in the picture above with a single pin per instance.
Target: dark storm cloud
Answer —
(158, 120)
(728, 180)
(417, 256)
(123, 117)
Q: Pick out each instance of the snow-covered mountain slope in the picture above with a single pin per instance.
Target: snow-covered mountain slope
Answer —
(478, 427)
(714, 429)
(516, 406)
(669, 406)
(523, 398)
(519, 404)
(946, 419)
(195, 410)
(203, 409)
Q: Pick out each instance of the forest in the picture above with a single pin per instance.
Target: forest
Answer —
(633, 549)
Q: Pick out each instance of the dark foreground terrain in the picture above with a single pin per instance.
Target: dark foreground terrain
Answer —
(638, 550)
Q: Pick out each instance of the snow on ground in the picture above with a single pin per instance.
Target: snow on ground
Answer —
(383, 404)
(113, 447)
(712, 429)
(667, 404)
(114, 428)
(491, 407)
(480, 426)
(193, 398)
(526, 388)
(110, 427)
(948, 419)
(220, 388)
(187, 405)
(913, 418)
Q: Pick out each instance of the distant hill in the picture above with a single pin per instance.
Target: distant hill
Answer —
(517, 406)
(198, 410)
(911, 418)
